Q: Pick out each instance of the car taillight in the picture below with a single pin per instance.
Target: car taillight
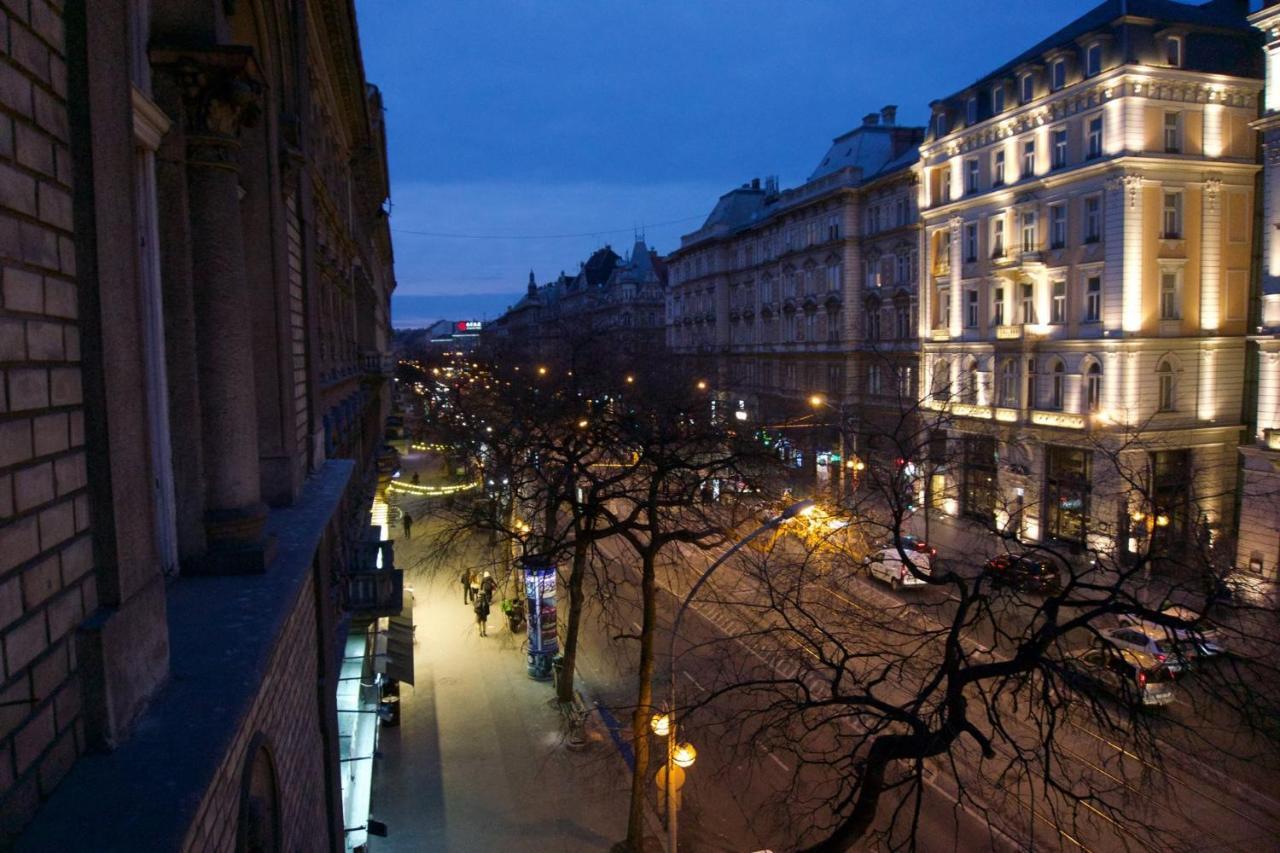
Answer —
(1142, 678)
(1160, 658)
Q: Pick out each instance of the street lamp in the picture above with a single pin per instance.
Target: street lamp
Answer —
(680, 755)
(818, 401)
(702, 384)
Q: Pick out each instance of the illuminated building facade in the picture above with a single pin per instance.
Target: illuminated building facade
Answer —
(1088, 227)
(787, 294)
(1259, 537)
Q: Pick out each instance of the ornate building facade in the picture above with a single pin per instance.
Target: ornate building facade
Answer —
(1088, 230)
(1259, 538)
(197, 274)
(788, 295)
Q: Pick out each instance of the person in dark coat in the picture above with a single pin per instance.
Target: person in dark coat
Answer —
(488, 586)
(482, 613)
(466, 586)
(408, 526)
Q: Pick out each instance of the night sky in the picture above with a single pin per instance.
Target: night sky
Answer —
(521, 122)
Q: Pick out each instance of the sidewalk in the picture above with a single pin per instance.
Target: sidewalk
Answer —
(478, 762)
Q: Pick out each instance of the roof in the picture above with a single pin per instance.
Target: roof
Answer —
(865, 148)
(1229, 14)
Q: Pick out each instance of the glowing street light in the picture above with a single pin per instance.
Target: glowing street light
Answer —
(702, 385)
(583, 424)
(542, 371)
(630, 379)
(661, 724)
(684, 755)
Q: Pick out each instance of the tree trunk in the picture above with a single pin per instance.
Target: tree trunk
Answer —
(644, 706)
(564, 688)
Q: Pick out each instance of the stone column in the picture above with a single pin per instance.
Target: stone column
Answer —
(1211, 256)
(955, 323)
(220, 96)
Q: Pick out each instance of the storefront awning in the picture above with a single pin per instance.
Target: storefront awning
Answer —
(398, 661)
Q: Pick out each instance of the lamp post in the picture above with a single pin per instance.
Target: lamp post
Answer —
(681, 755)
(817, 401)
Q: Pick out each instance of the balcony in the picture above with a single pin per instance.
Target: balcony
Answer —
(1065, 420)
(374, 363)
(375, 587)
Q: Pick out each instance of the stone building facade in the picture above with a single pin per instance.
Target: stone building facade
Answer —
(1087, 240)
(1259, 537)
(194, 328)
(788, 295)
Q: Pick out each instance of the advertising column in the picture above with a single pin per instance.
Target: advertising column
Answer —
(540, 605)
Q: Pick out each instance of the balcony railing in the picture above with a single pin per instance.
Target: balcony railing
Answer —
(375, 587)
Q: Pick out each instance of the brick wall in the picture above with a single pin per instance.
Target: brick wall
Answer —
(46, 585)
(287, 712)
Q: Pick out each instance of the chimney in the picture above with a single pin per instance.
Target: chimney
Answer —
(870, 119)
(755, 183)
(889, 114)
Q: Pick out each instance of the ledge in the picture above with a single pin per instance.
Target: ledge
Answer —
(222, 634)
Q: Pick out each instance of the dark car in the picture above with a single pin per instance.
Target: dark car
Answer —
(914, 543)
(1029, 574)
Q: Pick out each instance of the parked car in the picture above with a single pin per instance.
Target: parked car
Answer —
(886, 564)
(1197, 642)
(1019, 571)
(1156, 644)
(1131, 676)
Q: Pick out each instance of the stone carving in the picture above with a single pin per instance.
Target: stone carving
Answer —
(221, 95)
(1130, 183)
(1212, 190)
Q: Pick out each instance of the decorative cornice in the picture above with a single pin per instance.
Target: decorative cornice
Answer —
(150, 123)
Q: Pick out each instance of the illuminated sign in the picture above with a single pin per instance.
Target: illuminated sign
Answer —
(468, 326)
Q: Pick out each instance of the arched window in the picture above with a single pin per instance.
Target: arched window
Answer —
(941, 379)
(1093, 386)
(969, 388)
(1167, 382)
(1057, 382)
(258, 826)
(1009, 383)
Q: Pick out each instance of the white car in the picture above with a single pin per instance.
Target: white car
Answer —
(1157, 644)
(887, 565)
(1204, 642)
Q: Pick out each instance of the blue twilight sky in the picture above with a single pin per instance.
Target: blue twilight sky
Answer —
(540, 118)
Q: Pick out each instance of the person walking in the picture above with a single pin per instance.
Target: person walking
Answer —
(488, 586)
(482, 613)
(415, 478)
(475, 585)
(466, 586)
(408, 526)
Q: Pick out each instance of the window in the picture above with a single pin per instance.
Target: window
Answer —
(997, 236)
(1170, 285)
(945, 178)
(873, 379)
(1173, 132)
(1093, 387)
(1058, 226)
(1093, 60)
(1060, 148)
(1173, 51)
(997, 100)
(1093, 138)
(941, 379)
(971, 309)
(1058, 304)
(1029, 158)
(970, 242)
(1092, 219)
(944, 247)
(1172, 215)
(873, 323)
(971, 175)
(971, 110)
(1009, 384)
(1029, 231)
(833, 228)
(944, 305)
(940, 125)
(902, 263)
(997, 316)
(1068, 474)
(997, 168)
(1057, 381)
(1028, 303)
(904, 376)
(902, 322)
(834, 277)
(1167, 384)
(1028, 88)
(1058, 74)
(901, 208)
(1093, 299)
(969, 383)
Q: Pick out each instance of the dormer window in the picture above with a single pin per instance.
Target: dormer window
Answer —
(1173, 51)
(997, 100)
(971, 110)
(1028, 88)
(1058, 74)
(940, 125)
(1093, 60)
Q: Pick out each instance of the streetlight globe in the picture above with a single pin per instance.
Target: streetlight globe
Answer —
(684, 755)
(630, 379)
(702, 385)
(542, 371)
(816, 400)
(661, 724)
(582, 424)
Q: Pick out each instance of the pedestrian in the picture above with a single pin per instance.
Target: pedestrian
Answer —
(475, 585)
(408, 526)
(466, 586)
(488, 586)
(415, 478)
(482, 613)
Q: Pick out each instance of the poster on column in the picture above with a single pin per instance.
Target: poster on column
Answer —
(540, 604)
